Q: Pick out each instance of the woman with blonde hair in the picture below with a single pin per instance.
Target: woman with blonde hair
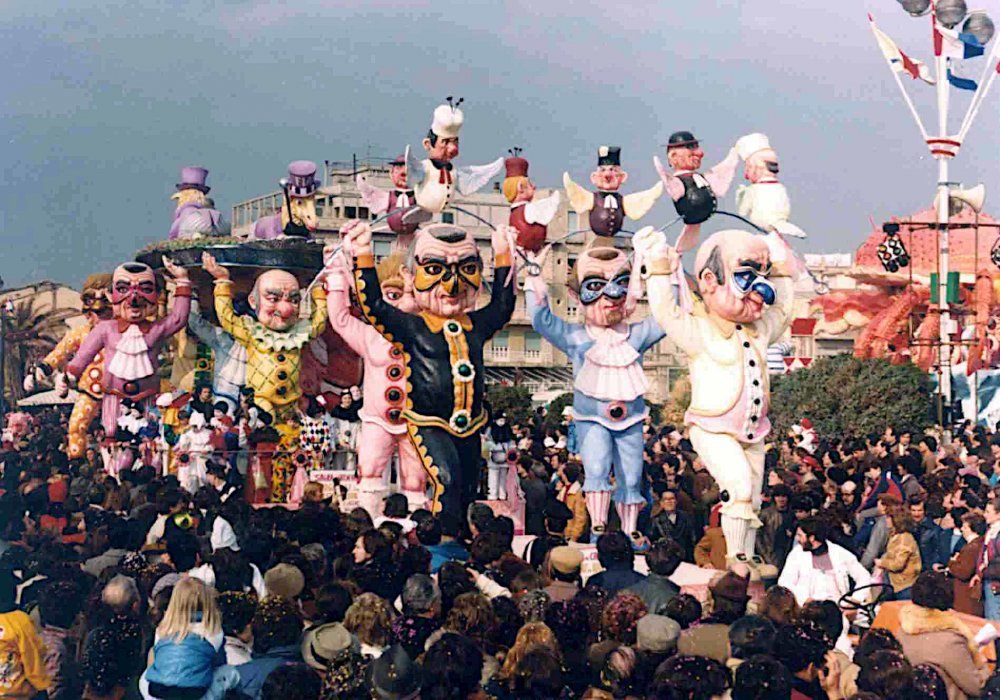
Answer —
(779, 606)
(370, 620)
(531, 636)
(186, 663)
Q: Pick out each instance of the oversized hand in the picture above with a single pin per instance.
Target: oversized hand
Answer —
(357, 236)
(652, 246)
(62, 385)
(213, 268)
(174, 270)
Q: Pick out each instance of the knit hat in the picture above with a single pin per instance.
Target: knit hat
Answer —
(284, 580)
(731, 587)
(394, 676)
(657, 633)
(323, 642)
(565, 560)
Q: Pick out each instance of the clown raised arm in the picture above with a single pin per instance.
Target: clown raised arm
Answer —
(608, 379)
(746, 303)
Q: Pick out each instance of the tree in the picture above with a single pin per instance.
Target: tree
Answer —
(554, 411)
(29, 334)
(843, 395)
(515, 401)
(678, 401)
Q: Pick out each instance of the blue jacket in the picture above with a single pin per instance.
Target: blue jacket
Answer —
(189, 663)
(446, 551)
(615, 579)
(255, 672)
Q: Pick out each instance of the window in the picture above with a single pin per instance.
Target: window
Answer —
(381, 249)
(498, 349)
(532, 345)
(362, 212)
(447, 217)
(350, 212)
(320, 203)
(572, 221)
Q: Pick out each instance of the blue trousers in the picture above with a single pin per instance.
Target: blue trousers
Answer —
(604, 451)
(991, 602)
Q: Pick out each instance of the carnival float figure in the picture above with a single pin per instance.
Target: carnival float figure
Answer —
(746, 304)
(96, 307)
(607, 208)
(298, 209)
(383, 430)
(501, 479)
(436, 178)
(528, 217)
(195, 215)
(229, 369)
(764, 202)
(608, 380)
(193, 449)
(274, 336)
(130, 341)
(441, 346)
(396, 201)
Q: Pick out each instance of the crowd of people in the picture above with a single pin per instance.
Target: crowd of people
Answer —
(122, 583)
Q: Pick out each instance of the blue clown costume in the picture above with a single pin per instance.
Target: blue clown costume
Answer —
(608, 407)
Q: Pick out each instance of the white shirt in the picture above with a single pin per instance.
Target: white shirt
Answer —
(808, 583)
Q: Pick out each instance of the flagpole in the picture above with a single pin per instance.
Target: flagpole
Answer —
(944, 328)
(977, 103)
(909, 102)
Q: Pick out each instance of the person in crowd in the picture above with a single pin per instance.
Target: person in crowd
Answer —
(22, 651)
(710, 638)
(58, 608)
(656, 590)
(237, 610)
(277, 629)
(615, 554)
(674, 524)
(564, 572)
(901, 560)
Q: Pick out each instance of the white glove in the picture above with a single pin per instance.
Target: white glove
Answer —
(776, 247)
(651, 246)
(29, 383)
(62, 385)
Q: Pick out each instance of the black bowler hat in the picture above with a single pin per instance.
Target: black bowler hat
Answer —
(682, 139)
(609, 155)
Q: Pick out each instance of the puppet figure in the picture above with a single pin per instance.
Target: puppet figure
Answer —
(435, 178)
(529, 218)
(398, 201)
(746, 304)
(441, 347)
(195, 215)
(298, 208)
(608, 380)
(275, 338)
(764, 202)
(130, 342)
(499, 443)
(194, 448)
(229, 369)
(96, 307)
(607, 208)
(383, 430)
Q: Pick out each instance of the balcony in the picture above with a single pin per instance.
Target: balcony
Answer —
(499, 353)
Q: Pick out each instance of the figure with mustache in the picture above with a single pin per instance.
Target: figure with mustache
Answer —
(130, 342)
(440, 346)
(275, 338)
(746, 285)
(608, 379)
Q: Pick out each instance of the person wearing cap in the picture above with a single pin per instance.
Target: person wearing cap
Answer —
(298, 209)
(607, 207)
(564, 570)
(394, 676)
(656, 639)
(528, 217)
(396, 201)
(765, 201)
(436, 178)
(284, 581)
(321, 643)
(216, 478)
(729, 603)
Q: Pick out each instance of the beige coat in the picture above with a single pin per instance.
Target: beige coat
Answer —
(941, 639)
(901, 561)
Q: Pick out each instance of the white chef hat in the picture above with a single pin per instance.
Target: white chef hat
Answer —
(447, 121)
(751, 143)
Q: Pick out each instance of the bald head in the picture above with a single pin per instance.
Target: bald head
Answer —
(276, 297)
(121, 594)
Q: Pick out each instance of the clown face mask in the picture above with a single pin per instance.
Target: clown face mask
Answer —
(276, 298)
(397, 173)
(685, 157)
(447, 272)
(603, 275)
(733, 276)
(608, 178)
(133, 292)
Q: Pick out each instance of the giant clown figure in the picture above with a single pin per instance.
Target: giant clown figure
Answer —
(275, 338)
(441, 346)
(608, 379)
(130, 342)
(383, 429)
(746, 294)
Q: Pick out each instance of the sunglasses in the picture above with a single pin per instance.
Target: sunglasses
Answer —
(593, 288)
(746, 280)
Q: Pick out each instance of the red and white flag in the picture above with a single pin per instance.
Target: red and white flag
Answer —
(898, 60)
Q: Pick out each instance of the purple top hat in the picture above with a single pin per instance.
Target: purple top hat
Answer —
(193, 178)
(302, 178)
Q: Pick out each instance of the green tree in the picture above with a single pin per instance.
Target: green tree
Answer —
(515, 401)
(842, 394)
(554, 411)
(29, 334)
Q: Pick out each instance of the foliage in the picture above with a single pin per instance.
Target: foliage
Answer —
(554, 411)
(515, 401)
(843, 395)
(677, 403)
(29, 334)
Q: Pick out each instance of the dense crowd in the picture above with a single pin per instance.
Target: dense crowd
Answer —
(130, 586)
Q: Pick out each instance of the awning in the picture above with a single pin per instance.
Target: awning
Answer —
(49, 398)
(536, 378)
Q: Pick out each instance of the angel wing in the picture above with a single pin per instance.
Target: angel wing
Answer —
(744, 200)
(471, 178)
(638, 204)
(414, 168)
(580, 199)
(375, 198)
(787, 228)
(675, 188)
(542, 211)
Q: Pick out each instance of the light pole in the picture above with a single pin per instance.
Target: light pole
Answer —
(976, 31)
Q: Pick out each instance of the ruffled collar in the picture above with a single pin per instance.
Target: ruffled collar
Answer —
(278, 341)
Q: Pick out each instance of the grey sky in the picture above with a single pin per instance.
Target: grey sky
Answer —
(104, 101)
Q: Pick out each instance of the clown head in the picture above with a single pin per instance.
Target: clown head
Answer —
(609, 175)
(133, 292)
(394, 287)
(442, 139)
(397, 173)
(601, 282)
(96, 297)
(275, 298)
(762, 166)
(732, 269)
(683, 151)
(444, 270)
(517, 186)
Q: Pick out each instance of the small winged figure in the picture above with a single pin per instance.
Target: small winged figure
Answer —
(399, 201)
(436, 178)
(529, 217)
(607, 208)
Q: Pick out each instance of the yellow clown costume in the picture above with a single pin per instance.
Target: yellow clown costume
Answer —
(274, 358)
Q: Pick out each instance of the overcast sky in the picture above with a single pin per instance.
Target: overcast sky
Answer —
(104, 100)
